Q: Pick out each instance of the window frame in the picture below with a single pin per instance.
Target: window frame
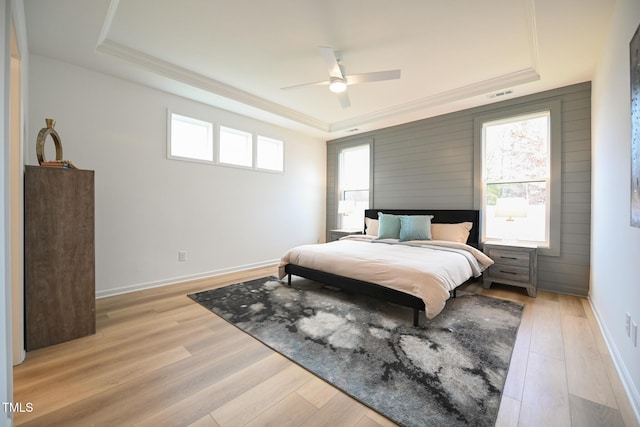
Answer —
(257, 153)
(239, 132)
(554, 207)
(338, 189)
(193, 120)
(213, 134)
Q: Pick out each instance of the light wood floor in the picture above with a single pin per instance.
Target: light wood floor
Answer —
(160, 359)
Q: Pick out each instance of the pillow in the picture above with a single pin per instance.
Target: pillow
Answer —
(451, 232)
(415, 227)
(371, 226)
(388, 226)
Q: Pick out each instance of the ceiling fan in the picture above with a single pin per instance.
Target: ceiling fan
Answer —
(338, 81)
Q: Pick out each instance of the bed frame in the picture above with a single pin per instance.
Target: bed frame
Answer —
(381, 292)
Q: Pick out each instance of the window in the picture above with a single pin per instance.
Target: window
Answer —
(270, 154)
(516, 177)
(236, 147)
(354, 179)
(193, 140)
(190, 138)
(519, 182)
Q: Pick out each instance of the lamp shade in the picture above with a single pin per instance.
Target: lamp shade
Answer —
(511, 207)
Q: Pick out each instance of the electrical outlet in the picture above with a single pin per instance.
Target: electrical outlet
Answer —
(634, 334)
(627, 324)
(182, 255)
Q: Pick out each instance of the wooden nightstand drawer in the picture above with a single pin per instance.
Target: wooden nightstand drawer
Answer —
(509, 257)
(510, 272)
(514, 264)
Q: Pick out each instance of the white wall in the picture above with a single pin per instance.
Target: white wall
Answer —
(615, 245)
(148, 207)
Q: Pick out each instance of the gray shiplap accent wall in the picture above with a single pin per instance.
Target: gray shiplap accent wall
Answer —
(428, 164)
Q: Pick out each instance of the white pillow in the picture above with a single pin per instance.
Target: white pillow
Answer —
(372, 226)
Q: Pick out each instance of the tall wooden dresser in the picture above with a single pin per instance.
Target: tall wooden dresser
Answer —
(59, 255)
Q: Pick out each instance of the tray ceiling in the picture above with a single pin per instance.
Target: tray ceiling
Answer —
(238, 54)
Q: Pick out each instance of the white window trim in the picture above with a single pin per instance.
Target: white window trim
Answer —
(238, 132)
(210, 132)
(256, 138)
(337, 189)
(215, 137)
(554, 206)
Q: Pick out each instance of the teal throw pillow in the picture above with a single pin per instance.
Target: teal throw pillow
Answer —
(388, 226)
(415, 227)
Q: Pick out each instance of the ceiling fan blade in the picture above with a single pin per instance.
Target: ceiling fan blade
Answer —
(337, 78)
(375, 76)
(329, 57)
(344, 99)
(322, 83)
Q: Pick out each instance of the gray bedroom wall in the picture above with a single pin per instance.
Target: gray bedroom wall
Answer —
(428, 164)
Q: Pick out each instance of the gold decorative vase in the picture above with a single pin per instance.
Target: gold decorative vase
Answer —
(42, 135)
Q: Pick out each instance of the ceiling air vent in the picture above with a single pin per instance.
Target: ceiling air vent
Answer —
(501, 93)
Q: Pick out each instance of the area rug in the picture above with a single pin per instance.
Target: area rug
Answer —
(450, 371)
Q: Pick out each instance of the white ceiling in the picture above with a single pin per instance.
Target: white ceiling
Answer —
(238, 54)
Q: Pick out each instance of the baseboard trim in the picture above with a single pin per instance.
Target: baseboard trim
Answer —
(181, 279)
(618, 362)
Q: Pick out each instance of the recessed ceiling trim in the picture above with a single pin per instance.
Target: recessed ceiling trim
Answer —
(527, 75)
(197, 80)
(108, 20)
(183, 75)
(532, 27)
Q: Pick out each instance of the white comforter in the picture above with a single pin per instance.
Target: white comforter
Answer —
(425, 269)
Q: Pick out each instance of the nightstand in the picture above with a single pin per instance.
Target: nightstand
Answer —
(337, 234)
(516, 264)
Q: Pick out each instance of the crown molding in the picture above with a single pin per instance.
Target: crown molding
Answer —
(199, 81)
(183, 75)
(527, 75)
(504, 81)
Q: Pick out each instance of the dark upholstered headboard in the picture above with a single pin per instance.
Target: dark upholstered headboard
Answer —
(439, 217)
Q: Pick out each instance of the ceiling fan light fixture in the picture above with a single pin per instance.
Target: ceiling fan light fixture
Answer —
(337, 85)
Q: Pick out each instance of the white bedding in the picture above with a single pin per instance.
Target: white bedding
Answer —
(425, 269)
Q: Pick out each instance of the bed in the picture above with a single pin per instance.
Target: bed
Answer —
(413, 271)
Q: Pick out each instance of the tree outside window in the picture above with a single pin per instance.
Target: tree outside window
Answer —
(516, 166)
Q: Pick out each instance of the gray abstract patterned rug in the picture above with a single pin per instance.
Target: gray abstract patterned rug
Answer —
(450, 371)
